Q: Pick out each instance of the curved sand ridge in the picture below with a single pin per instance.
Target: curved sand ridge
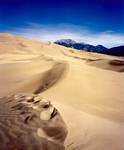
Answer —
(29, 122)
(52, 76)
(34, 77)
(43, 81)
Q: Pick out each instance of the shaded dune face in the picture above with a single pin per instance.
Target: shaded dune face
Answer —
(51, 77)
(113, 65)
(28, 121)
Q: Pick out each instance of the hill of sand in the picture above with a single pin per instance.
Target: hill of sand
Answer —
(87, 88)
(30, 122)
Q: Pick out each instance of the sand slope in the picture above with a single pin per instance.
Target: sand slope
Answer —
(30, 122)
(87, 88)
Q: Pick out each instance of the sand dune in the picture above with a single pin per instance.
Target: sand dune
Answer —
(87, 88)
(114, 65)
(30, 122)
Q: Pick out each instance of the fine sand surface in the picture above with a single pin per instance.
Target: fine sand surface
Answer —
(87, 88)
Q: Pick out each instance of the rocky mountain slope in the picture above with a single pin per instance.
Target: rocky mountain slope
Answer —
(116, 51)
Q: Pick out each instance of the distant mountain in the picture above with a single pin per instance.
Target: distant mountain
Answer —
(117, 51)
(80, 46)
(66, 42)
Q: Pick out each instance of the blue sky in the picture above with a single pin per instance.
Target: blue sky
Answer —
(89, 21)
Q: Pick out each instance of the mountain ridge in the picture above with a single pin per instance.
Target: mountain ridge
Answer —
(116, 51)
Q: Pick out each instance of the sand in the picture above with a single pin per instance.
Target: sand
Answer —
(86, 88)
(30, 122)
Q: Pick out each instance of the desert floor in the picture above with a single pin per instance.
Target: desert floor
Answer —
(87, 88)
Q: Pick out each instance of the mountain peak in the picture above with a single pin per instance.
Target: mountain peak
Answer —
(66, 41)
(116, 51)
(80, 45)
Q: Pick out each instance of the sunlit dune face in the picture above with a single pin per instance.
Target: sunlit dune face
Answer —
(49, 112)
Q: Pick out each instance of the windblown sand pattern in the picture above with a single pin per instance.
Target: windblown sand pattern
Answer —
(28, 121)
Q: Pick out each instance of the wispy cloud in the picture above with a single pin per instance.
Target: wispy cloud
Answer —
(75, 32)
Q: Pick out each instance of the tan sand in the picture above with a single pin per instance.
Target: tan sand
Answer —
(87, 88)
(29, 122)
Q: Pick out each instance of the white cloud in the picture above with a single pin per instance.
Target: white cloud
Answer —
(75, 32)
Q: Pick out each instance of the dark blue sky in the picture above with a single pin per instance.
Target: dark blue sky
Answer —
(94, 15)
